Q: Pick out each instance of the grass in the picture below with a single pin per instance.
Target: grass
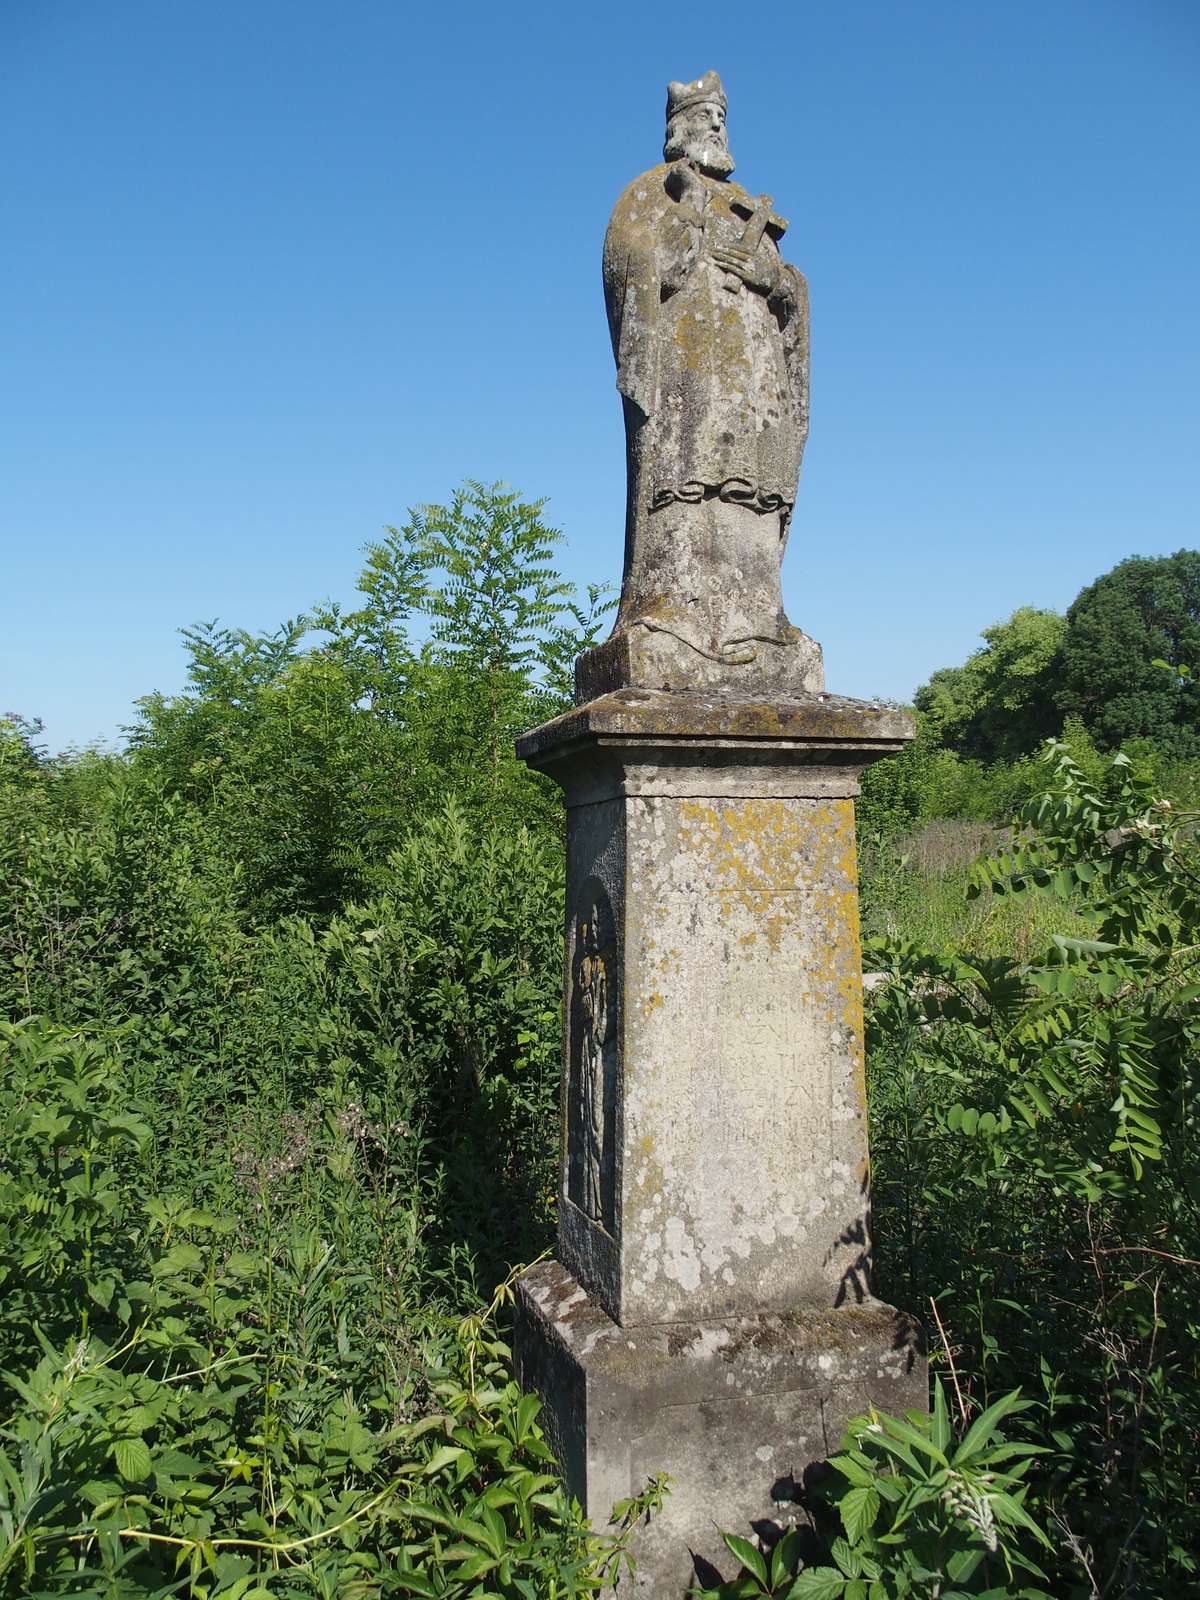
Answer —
(914, 890)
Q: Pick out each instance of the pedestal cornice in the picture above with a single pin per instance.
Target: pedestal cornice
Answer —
(818, 722)
(652, 741)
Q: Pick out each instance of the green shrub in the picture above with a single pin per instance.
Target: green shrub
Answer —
(183, 1413)
(1035, 1161)
(907, 1511)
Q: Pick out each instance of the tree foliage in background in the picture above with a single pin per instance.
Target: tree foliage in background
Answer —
(316, 747)
(1000, 704)
(1100, 666)
(1143, 612)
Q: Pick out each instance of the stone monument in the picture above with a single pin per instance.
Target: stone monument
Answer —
(709, 1314)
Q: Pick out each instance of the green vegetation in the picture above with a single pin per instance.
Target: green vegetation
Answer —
(279, 1083)
(905, 1509)
(1121, 631)
(1102, 663)
(1034, 1140)
(1000, 703)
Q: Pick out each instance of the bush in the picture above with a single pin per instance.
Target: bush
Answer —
(184, 1413)
(905, 1510)
(1035, 1166)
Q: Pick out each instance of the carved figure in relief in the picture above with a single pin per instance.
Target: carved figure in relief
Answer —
(710, 331)
(593, 1004)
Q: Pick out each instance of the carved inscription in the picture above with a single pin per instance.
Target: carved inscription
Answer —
(800, 1076)
(776, 1075)
(593, 1060)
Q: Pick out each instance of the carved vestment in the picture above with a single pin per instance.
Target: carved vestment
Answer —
(709, 328)
(718, 372)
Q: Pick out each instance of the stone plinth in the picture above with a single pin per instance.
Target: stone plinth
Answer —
(710, 1314)
(638, 655)
(737, 1409)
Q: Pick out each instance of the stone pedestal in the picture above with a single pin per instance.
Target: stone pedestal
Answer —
(710, 1314)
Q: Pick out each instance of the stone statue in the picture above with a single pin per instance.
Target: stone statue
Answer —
(710, 332)
(593, 1000)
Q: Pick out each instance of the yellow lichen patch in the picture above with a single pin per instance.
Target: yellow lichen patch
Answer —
(664, 962)
(760, 853)
(694, 337)
(648, 1175)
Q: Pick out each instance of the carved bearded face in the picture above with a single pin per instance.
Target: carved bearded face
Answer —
(698, 134)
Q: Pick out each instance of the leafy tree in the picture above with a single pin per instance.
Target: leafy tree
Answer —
(947, 703)
(1145, 611)
(317, 757)
(18, 747)
(271, 741)
(1000, 703)
(502, 615)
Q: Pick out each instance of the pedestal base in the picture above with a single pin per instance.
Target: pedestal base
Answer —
(734, 1410)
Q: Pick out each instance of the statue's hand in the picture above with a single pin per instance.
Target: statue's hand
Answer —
(685, 185)
(757, 269)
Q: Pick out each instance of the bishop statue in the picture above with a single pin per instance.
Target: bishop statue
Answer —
(710, 332)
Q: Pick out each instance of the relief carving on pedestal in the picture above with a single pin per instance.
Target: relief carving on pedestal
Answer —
(590, 1182)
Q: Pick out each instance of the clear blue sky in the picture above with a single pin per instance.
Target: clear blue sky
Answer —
(275, 270)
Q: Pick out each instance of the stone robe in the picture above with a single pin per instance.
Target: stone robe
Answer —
(714, 376)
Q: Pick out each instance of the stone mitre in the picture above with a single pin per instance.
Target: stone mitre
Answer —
(681, 96)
